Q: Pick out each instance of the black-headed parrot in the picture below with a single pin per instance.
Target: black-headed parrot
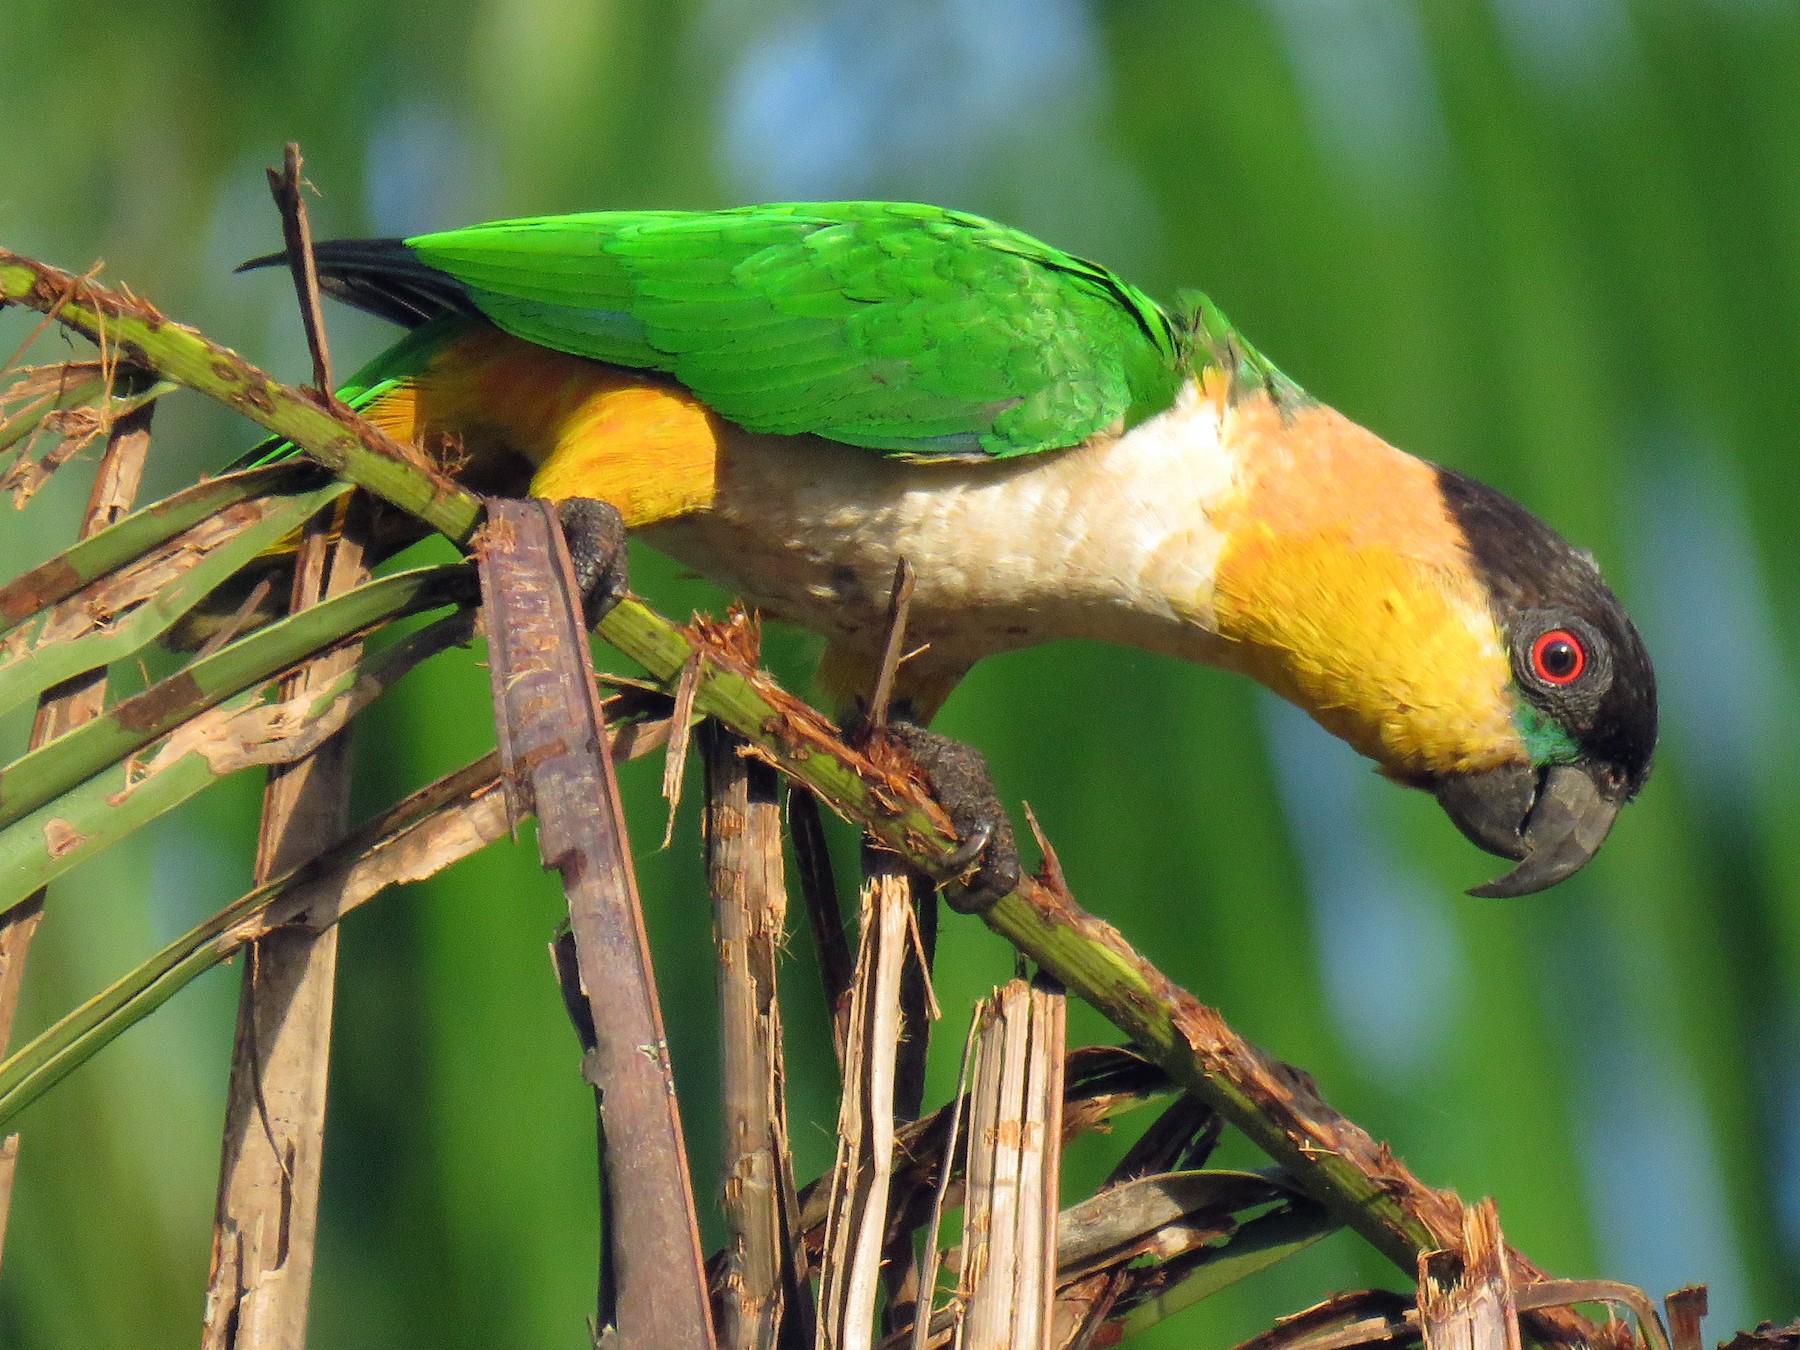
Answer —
(792, 398)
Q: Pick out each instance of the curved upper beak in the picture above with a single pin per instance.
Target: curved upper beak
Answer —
(1552, 822)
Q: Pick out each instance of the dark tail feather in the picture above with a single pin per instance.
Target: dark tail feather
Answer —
(383, 277)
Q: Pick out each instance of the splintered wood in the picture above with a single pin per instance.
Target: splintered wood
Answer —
(1466, 1296)
(856, 1228)
(759, 1289)
(1014, 1164)
(552, 741)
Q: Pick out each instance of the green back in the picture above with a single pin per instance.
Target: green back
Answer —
(904, 328)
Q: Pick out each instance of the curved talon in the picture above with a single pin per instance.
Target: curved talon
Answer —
(959, 777)
(967, 853)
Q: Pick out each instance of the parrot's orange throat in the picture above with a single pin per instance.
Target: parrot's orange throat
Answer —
(1345, 586)
(587, 430)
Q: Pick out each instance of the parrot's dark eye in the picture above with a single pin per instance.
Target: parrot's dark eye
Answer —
(1558, 658)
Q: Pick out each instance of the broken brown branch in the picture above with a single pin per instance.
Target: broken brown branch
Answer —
(551, 732)
(1466, 1295)
(265, 1224)
(287, 187)
(1009, 1262)
(856, 1230)
(1686, 1309)
(758, 1286)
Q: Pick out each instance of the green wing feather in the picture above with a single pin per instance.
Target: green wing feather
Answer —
(904, 328)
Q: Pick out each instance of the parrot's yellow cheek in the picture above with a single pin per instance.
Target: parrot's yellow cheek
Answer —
(1394, 658)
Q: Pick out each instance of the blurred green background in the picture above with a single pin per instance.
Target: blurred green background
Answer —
(1555, 243)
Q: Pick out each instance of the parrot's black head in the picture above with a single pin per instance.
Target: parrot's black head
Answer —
(1583, 689)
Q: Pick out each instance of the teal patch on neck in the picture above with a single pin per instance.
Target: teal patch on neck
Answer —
(1545, 741)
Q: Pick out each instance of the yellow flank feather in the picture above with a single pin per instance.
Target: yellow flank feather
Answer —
(494, 409)
(1345, 586)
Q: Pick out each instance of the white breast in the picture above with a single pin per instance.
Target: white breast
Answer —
(1112, 540)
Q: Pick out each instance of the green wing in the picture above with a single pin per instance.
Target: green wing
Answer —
(904, 328)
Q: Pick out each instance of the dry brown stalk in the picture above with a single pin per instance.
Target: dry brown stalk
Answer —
(1766, 1336)
(900, 1274)
(1009, 1225)
(265, 1227)
(1100, 1083)
(856, 1228)
(952, 1142)
(1182, 1137)
(285, 185)
(680, 727)
(1040, 1185)
(901, 1278)
(551, 730)
(60, 709)
(759, 1286)
(1466, 1295)
(1364, 1317)
(899, 605)
(1686, 1308)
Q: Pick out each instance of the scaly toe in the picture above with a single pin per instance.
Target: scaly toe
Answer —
(595, 532)
(961, 782)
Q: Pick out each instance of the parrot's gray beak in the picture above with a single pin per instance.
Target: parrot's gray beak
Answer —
(1552, 821)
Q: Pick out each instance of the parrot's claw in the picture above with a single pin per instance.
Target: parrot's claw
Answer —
(960, 780)
(595, 532)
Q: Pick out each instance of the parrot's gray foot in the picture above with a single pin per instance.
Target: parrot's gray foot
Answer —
(595, 532)
(961, 782)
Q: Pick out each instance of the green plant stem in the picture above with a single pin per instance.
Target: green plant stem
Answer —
(43, 656)
(45, 773)
(241, 732)
(377, 857)
(142, 337)
(31, 593)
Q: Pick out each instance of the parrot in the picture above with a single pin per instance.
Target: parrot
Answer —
(791, 399)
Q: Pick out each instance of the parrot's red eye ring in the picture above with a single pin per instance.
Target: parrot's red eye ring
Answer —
(1558, 658)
